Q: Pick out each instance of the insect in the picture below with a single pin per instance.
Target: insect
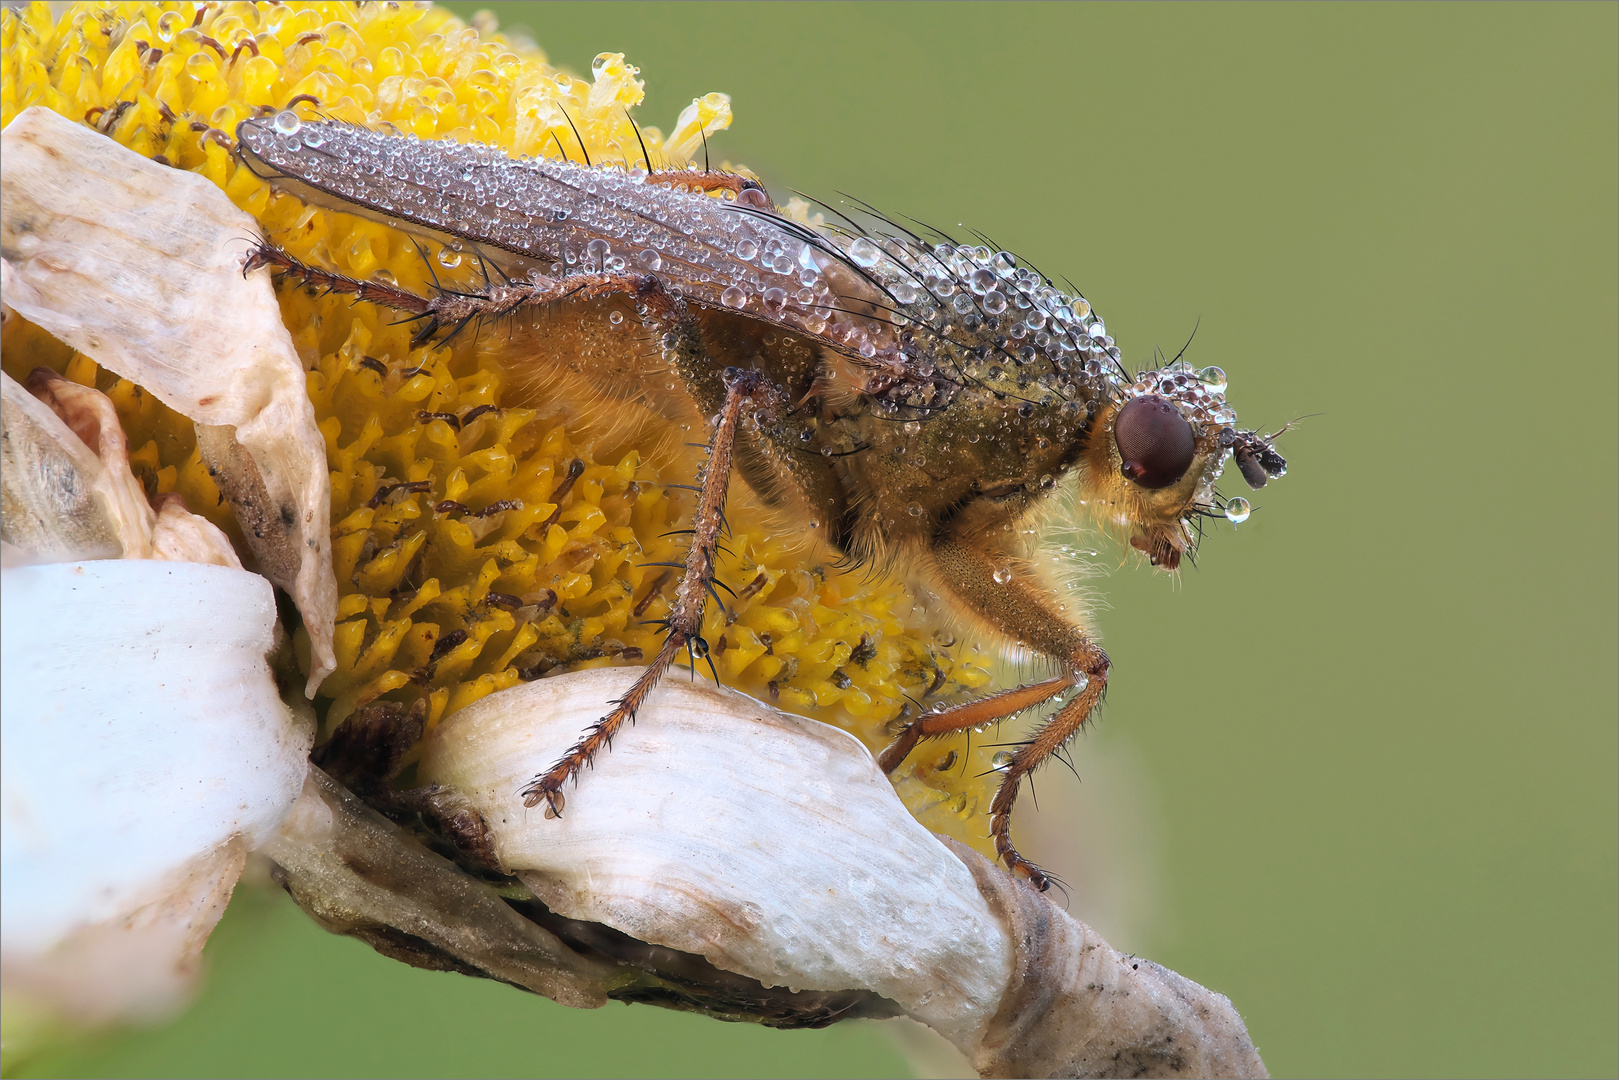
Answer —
(911, 399)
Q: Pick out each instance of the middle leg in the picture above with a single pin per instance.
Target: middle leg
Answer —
(685, 621)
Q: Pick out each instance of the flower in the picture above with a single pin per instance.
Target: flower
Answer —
(426, 594)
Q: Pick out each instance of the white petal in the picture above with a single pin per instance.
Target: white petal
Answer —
(55, 505)
(139, 267)
(142, 730)
(770, 844)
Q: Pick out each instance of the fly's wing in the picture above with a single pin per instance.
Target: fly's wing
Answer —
(563, 219)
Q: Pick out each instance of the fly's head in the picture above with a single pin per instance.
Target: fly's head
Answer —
(1155, 452)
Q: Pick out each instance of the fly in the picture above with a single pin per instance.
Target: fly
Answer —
(911, 398)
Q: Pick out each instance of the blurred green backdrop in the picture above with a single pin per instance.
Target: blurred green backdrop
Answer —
(1373, 733)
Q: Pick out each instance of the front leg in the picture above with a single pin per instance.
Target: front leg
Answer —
(455, 309)
(1025, 611)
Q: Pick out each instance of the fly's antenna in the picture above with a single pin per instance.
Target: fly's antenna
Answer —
(646, 157)
(582, 149)
(1188, 344)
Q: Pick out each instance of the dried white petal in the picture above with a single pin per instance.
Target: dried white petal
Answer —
(91, 416)
(769, 844)
(50, 509)
(139, 967)
(139, 267)
(70, 493)
(181, 536)
(142, 731)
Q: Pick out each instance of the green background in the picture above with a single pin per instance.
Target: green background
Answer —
(1373, 731)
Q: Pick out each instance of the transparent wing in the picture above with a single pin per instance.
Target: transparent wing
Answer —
(564, 218)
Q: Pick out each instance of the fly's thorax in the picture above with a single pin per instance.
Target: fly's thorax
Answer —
(981, 462)
(980, 393)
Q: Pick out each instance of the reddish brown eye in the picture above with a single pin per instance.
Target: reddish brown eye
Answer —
(1156, 444)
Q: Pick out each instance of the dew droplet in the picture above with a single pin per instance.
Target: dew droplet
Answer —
(649, 259)
(1213, 378)
(286, 121)
(313, 138)
(1001, 761)
(169, 24)
(915, 509)
(746, 250)
(733, 297)
(864, 252)
(616, 318)
(1002, 575)
(1237, 510)
(446, 258)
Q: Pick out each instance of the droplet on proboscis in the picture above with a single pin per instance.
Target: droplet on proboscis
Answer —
(1002, 575)
(1213, 379)
(1237, 510)
(286, 122)
(1001, 761)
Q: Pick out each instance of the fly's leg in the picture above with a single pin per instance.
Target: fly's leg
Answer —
(973, 714)
(454, 309)
(1023, 610)
(668, 319)
(747, 192)
(685, 620)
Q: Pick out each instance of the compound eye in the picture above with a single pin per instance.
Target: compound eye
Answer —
(1156, 443)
